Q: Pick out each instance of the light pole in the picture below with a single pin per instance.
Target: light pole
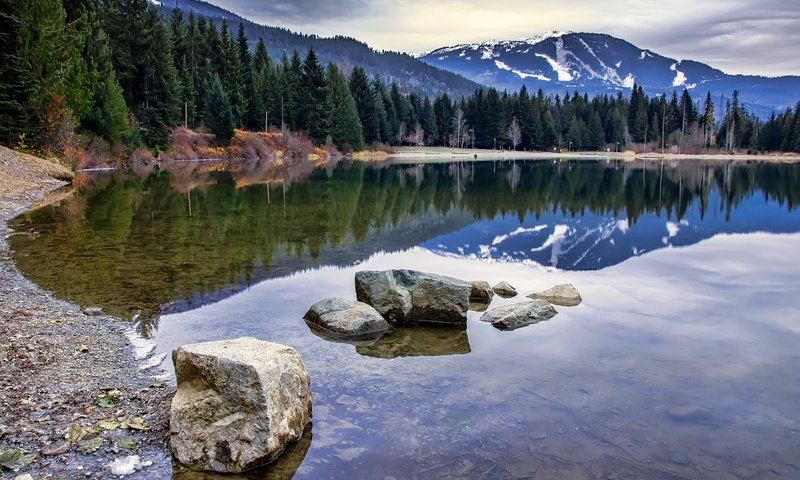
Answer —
(570, 145)
(495, 143)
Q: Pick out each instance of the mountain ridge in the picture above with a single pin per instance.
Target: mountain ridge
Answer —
(411, 73)
(601, 63)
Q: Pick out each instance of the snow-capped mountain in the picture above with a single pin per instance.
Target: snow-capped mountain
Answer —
(597, 63)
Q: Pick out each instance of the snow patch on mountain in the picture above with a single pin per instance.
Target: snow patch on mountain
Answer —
(520, 73)
(519, 231)
(563, 72)
(629, 81)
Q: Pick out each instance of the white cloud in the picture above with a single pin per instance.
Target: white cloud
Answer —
(737, 36)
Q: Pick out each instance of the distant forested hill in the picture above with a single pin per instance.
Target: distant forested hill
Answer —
(410, 73)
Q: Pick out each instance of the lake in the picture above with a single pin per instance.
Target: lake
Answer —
(681, 362)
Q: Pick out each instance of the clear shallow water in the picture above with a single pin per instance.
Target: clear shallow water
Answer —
(680, 363)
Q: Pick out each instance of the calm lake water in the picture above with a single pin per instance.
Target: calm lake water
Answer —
(681, 362)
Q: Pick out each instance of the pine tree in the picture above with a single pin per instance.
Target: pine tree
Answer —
(344, 126)
(56, 78)
(219, 115)
(428, 122)
(311, 101)
(108, 116)
(16, 83)
(596, 135)
(708, 122)
(142, 47)
(365, 104)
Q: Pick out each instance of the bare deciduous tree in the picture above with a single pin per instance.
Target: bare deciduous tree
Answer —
(460, 124)
(514, 133)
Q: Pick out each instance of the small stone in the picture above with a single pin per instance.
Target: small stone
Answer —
(93, 311)
(481, 292)
(518, 315)
(26, 476)
(505, 290)
(57, 448)
(565, 295)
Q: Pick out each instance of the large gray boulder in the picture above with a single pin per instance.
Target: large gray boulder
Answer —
(518, 315)
(342, 318)
(565, 295)
(407, 296)
(505, 290)
(239, 403)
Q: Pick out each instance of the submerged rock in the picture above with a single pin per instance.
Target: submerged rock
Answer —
(346, 318)
(691, 413)
(406, 296)
(239, 403)
(505, 290)
(481, 292)
(518, 315)
(565, 295)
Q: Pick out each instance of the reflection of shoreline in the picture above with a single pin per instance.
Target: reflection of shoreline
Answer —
(442, 154)
(171, 242)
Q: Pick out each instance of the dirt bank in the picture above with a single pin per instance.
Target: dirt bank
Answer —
(73, 396)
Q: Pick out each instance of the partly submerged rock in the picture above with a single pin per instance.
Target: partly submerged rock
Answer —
(346, 319)
(505, 290)
(406, 296)
(239, 403)
(481, 292)
(691, 413)
(517, 315)
(565, 295)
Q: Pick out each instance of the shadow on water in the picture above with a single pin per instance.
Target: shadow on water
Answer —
(141, 247)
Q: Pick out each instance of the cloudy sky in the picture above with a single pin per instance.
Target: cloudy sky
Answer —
(737, 36)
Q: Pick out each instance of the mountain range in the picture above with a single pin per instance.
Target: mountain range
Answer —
(597, 63)
(409, 72)
(556, 62)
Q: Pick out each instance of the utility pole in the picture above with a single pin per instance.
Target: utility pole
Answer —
(266, 121)
(645, 138)
(185, 114)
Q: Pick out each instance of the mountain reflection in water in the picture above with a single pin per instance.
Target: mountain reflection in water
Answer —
(170, 242)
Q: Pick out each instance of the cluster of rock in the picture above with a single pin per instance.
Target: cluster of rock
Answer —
(403, 297)
(239, 403)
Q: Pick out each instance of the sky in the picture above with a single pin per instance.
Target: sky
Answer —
(737, 36)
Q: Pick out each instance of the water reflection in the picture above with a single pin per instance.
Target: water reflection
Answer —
(170, 242)
(283, 468)
(419, 341)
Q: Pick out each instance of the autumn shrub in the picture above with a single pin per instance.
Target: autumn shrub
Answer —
(142, 161)
(185, 145)
(298, 144)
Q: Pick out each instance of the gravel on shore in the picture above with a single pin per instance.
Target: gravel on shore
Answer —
(74, 400)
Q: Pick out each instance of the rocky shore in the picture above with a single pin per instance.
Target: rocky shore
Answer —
(74, 400)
